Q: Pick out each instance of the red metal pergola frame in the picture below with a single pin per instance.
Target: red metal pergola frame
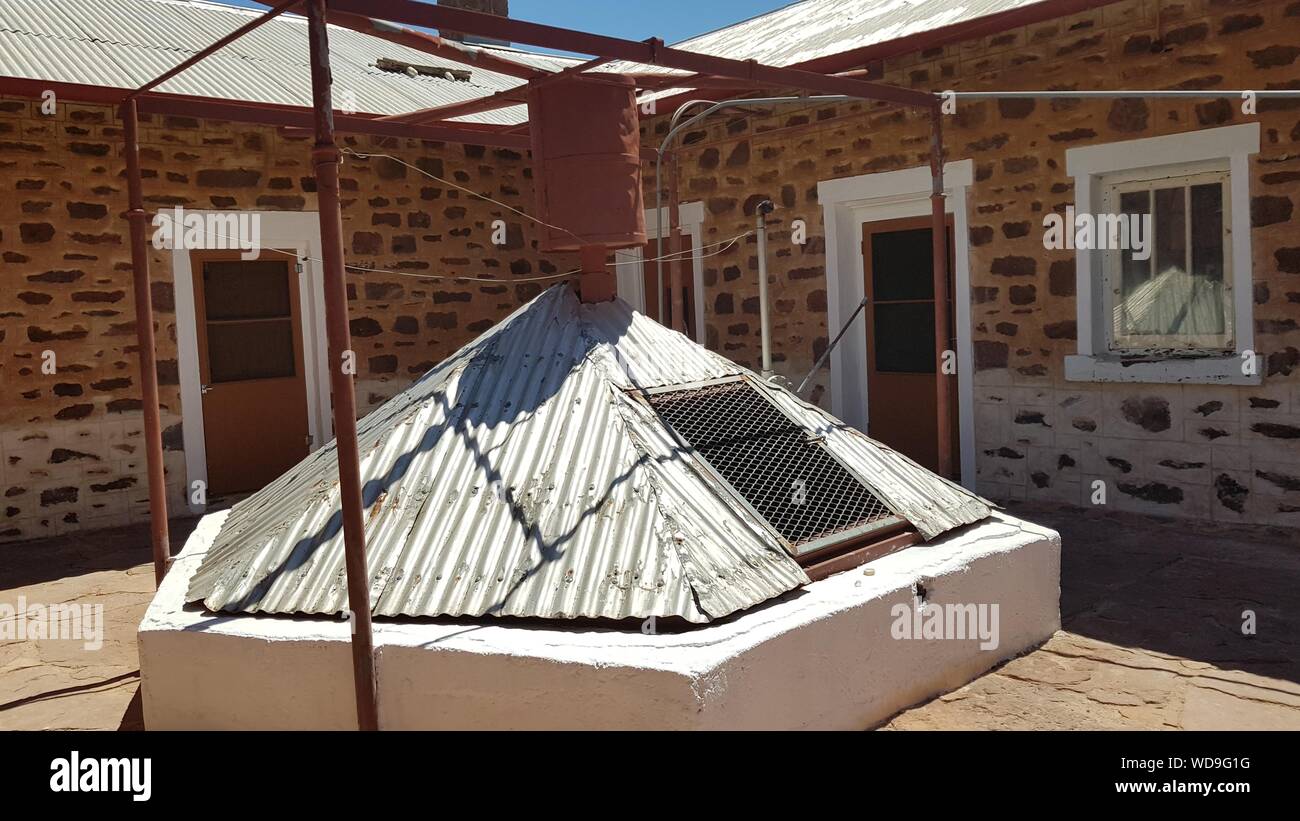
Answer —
(430, 124)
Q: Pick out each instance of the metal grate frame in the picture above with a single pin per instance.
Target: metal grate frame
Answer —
(770, 464)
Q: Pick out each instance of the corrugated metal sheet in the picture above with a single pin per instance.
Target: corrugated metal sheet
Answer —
(812, 29)
(519, 478)
(124, 43)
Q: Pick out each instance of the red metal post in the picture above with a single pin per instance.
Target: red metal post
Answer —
(675, 279)
(325, 160)
(942, 341)
(144, 336)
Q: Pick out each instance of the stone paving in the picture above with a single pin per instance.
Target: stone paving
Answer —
(1151, 614)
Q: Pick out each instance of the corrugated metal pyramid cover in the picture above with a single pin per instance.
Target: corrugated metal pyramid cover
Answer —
(520, 478)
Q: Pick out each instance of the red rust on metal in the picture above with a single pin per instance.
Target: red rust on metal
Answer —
(653, 53)
(325, 161)
(942, 342)
(293, 117)
(597, 283)
(675, 276)
(587, 162)
(144, 334)
(433, 44)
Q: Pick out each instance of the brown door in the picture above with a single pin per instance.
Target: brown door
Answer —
(653, 299)
(902, 408)
(250, 367)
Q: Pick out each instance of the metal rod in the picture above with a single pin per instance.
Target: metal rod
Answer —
(215, 47)
(492, 102)
(676, 305)
(431, 44)
(1084, 95)
(764, 310)
(293, 117)
(939, 238)
(144, 335)
(651, 52)
(325, 160)
(821, 360)
(659, 194)
(674, 127)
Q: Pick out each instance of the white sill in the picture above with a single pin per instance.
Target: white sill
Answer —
(1206, 370)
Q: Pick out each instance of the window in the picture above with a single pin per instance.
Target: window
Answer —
(1172, 288)
(1171, 303)
(772, 465)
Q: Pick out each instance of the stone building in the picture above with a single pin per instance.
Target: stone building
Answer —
(1070, 386)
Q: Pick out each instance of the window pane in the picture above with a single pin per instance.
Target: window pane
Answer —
(1134, 272)
(1207, 231)
(902, 265)
(904, 337)
(1171, 230)
(235, 289)
(250, 350)
(1176, 298)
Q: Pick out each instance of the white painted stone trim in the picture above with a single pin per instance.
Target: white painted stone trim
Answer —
(849, 202)
(631, 286)
(297, 231)
(201, 670)
(1225, 370)
(1089, 165)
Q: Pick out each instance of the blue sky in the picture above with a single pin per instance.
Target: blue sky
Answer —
(673, 20)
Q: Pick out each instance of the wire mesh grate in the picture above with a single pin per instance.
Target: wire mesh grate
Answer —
(792, 482)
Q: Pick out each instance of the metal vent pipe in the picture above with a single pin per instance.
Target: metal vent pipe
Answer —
(764, 312)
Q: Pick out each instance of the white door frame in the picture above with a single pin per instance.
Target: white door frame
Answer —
(631, 285)
(298, 231)
(849, 202)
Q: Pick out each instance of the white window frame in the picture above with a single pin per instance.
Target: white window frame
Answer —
(631, 285)
(1096, 167)
(1183, 177)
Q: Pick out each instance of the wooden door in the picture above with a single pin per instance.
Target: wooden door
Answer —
(902, 407)
(254, 384)
(653, 299)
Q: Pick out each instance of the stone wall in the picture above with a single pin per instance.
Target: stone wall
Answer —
(1205, 451)
(71, 452)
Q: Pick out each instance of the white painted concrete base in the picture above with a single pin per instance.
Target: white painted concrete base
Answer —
(822, 657)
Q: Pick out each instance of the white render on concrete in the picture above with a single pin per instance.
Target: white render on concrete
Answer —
(818, 658)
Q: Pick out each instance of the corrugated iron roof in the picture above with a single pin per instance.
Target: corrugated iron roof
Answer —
(812, 29)
(125, 43)
(520, 478)
(116, 43)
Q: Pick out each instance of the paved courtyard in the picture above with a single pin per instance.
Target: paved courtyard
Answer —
(1151, 614)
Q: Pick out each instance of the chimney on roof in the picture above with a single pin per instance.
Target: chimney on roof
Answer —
(501, 8)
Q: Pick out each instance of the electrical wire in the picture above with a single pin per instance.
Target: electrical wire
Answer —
(472, 193)
(726, 243)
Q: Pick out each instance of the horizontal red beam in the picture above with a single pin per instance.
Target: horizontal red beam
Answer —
(76, 92)
(652, 52)
(296, 117)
